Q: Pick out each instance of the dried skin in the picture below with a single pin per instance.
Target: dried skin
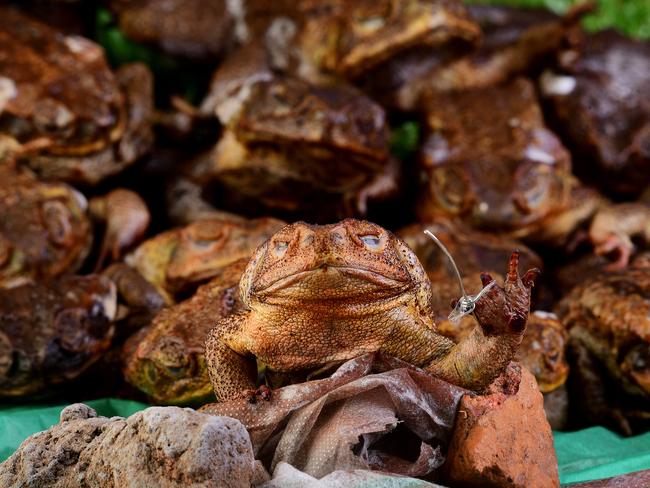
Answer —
(44, 230)
(70, 116)
(318, 294)
(196, 29)
(52, 331)
(365, 398)
(506, 171)
(182, 258)
(599, 98)
(514, 41)
(166, 360)
(609, 316)
(290, 144)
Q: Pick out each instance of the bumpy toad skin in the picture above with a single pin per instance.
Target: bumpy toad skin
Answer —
(52, 331)
(514, 41)
(352, 38)
(542, 350)
(598, 97)
(73, 118)
(321, 294)
(126, 219)
(196, 29)
(341, 39)
(180, 259)
(489, 161)
(613, 228)
(290, 145)
(166, 360)
(44, 230)
(608, 321)
(473, 251)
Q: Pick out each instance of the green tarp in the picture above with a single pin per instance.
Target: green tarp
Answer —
(584, 455)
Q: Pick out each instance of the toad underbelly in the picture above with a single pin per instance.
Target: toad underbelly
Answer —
(294, 346)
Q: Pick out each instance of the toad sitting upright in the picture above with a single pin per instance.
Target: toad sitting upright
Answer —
(316, 295)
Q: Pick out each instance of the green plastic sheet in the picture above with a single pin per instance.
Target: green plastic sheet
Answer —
(582, 456)
(597, 453)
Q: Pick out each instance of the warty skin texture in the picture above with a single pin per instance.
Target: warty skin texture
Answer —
(316, 295)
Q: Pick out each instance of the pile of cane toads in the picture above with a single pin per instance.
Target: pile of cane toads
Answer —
(155, 247)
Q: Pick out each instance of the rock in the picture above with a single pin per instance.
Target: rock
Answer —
(502, 438)
(160, 446)
(77, 411)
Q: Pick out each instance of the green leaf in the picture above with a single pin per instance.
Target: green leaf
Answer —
(405, 139)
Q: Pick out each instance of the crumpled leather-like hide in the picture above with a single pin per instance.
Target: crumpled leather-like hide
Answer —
(355, 419)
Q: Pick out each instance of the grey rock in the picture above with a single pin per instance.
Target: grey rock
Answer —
(160, 446)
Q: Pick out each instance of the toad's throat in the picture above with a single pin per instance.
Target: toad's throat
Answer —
(318, 280)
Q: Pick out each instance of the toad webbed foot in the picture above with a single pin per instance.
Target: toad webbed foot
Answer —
(263, 393)
(502, 313)
(504, 310)
(622, 248)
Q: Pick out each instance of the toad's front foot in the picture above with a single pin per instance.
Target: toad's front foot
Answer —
(263, 393)
(621, 248)
(504, 310)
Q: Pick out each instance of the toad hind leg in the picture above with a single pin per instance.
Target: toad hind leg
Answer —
(230, 373)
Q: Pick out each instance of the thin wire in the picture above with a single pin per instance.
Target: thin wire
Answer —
(448, 254)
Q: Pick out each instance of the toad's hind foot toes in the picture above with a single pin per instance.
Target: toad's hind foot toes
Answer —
(263, 393)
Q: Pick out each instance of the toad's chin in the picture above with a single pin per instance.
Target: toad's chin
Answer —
(338, 283)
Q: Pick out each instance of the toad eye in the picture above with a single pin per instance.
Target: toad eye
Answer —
(371, 241)
(280, 248)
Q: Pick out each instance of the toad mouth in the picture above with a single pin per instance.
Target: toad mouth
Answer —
(360, 274)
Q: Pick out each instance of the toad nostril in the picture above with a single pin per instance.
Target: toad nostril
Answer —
(308, 240)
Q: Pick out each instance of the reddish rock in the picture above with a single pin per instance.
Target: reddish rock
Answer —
(502, 438)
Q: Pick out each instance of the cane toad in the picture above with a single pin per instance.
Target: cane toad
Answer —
(298, 148)
(613, 228)
(166, 360)
(314, 295)
(44, 229)
(514, 41)
(608, 319)
(196, 29)
(178, 260)
(599, 99)
(72, 117)
(490, 161)
(52, 331)
(353, 38)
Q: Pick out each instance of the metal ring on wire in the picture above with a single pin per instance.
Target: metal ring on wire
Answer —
(466, 303)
